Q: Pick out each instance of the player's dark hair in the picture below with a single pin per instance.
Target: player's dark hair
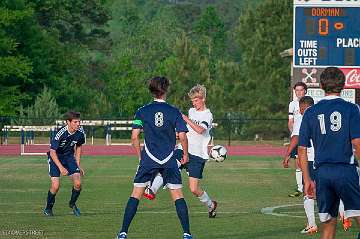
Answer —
(300, 83)
(158, 86)
(307, 100)
(70, 115)
(332, 80)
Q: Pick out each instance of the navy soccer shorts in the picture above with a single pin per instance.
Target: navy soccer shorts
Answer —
(68, 163)
(194, 167)
(171, 176)
(335, 182)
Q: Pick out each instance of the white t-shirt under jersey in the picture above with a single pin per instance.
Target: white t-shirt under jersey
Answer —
(294, 110)
(296, 131)
(198, 143)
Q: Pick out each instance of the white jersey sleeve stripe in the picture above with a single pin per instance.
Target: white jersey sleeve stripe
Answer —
(61, 132)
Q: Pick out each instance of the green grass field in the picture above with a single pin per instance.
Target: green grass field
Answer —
(241, 185)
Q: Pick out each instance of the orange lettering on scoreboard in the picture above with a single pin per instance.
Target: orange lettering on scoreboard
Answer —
(325, 12)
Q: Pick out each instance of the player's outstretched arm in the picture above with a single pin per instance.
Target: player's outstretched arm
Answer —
(184, 143)
(197, 128)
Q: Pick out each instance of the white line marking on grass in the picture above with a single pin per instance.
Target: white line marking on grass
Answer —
(270, 211)
(116, 212)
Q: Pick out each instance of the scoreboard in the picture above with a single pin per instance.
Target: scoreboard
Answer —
(327, 35)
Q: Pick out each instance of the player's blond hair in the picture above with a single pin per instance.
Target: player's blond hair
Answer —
(198, 91)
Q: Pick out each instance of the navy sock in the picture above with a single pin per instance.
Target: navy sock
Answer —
(130, 212)
(358, 236)
(50, 200)
(182, 212)
(74, 196)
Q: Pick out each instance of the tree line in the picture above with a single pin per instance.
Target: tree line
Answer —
(95, 56)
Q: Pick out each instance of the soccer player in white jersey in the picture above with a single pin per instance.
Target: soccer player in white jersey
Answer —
(309, 202)
(300, 89)
(199, 123)
(333, 126)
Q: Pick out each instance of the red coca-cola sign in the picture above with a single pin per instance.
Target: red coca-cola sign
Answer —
(352, 77)
(311, 76)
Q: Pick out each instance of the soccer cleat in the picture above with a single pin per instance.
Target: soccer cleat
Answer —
(76, 210)
(297, 193)
(121, 235)
(187, 236)
(149, 194)
(212, 212)
(309, 230)
(346, 222)
(48, 212)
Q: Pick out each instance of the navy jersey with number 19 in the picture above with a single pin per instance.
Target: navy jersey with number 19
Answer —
(332, 123)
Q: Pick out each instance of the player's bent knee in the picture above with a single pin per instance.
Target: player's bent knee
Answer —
(138, 192)
(77, 186)
(176, 194)
(55, 185)
(55, 188)
(194, 189)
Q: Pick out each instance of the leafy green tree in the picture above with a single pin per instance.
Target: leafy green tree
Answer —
(15, 67)
(77, 21)
(44, 111)
(185, 69)
(54, 44)
(211, 30)
(263, 32)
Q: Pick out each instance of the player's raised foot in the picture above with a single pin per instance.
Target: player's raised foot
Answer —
(187, 236)
(75, 209)
(48, 212)
(121, 235)
(309, 230)
(212, 212)
(297, 193)
(149, 194)
(346, 222)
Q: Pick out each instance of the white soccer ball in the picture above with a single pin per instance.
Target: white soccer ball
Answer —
(218, 153)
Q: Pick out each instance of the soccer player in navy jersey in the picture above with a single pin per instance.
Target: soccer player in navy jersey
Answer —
(64, 159)
(160, 122)
(333, 125)
(199, 124)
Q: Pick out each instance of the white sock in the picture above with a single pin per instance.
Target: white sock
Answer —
(341, 208)
(298, 175)
(309, 204)
(157, 183)
(204, 198)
